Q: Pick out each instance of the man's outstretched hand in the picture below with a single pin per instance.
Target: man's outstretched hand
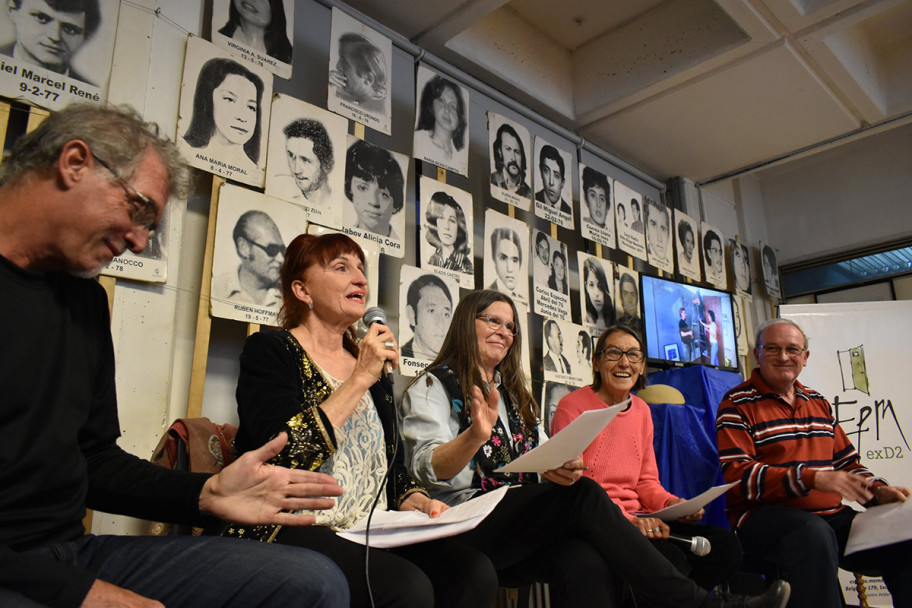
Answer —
(250, 491)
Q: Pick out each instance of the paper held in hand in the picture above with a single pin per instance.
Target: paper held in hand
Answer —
(691, 506)
(399, 528)
(880, 525)
(566, 445)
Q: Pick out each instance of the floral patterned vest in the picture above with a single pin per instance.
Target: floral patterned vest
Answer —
(503, 446)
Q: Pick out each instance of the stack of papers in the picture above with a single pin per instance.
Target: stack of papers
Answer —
(398, 528)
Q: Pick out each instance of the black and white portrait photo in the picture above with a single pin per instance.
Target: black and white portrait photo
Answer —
(658, 234)
(596, 210)
(560, 360)
(713, 255)
(259, 32)
(770, 270)
(596, 287)
(306, 163)
(446, 225)
(375, 189)
(628, 205)
(55, 52)
(552, 393)
(686, 245)
(441, 122)
(426, 304)
(249, 252)
(224, 114)
(506, 266)
(553, 189)
(741, 268)
(550, 276)
(360, 73)
(629, 309)
(510, 146)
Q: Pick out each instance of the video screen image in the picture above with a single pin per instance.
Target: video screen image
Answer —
(688, 324)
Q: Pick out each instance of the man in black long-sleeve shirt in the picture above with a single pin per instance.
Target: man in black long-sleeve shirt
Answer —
(86, 185)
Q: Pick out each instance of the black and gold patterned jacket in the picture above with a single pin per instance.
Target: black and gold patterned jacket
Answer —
(280, 389)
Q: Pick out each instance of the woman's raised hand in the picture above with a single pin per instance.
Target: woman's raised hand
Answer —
(484, 413)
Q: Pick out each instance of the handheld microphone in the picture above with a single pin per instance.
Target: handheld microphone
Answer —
(372, 315)
(698, 545)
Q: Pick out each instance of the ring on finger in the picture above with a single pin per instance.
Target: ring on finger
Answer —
(388, 344)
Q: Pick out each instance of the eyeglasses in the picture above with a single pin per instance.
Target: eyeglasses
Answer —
(141, 208)
(613, 353)
(495, 323)
(774, 350)
(271, 250)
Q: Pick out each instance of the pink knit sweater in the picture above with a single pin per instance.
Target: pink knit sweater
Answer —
(621, 459)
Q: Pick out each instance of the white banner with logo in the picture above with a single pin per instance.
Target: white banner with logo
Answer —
(860, 354)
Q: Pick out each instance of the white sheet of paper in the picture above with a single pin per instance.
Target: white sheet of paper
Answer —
(399, 528)
(566, 445)
(879, 526)
(691, 506)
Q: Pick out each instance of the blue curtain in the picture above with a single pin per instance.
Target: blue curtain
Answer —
(685, 435)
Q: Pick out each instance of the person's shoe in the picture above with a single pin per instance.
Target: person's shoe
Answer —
(775, 597)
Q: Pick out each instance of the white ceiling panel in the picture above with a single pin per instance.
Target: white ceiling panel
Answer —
(744, 114)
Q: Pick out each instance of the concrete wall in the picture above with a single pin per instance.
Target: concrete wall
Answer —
(841, 199)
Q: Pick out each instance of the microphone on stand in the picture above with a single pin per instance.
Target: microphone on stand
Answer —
(372, 315)
(698, 545)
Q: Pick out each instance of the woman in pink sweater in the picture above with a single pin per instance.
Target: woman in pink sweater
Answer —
(622, 460)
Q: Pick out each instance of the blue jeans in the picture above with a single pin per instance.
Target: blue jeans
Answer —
(807, 549)
(190, 571)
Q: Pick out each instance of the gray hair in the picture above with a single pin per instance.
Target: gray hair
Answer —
(770, 322)
(117, 134)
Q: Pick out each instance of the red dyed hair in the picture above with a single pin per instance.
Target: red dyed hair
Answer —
(308, 250)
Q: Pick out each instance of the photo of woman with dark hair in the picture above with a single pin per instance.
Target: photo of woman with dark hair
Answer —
(599, 310)
(259, 25)
(558, 279)
(375, 185)
(226, 111)
(222, 126)
(447, 232)
(442, 123)
(686, 246)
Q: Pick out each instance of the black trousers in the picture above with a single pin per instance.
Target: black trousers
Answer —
(443, 573)
(708, 570)
(808, 549)
(576, 539)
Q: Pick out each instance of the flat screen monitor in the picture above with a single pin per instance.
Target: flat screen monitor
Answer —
(702, 333)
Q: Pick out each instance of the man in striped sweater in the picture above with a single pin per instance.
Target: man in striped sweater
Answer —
(794, 464)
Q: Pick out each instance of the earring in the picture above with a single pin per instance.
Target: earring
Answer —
(310, 305)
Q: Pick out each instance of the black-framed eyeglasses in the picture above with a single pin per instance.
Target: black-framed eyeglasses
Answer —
(495, 323)
(271, 250)
(140, 207)
(613, 353)
(774, 350)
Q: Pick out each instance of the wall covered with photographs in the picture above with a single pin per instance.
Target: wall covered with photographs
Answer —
(475, 190)
(448, 184)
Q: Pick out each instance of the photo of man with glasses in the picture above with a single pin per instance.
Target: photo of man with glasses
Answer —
(261, 250)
